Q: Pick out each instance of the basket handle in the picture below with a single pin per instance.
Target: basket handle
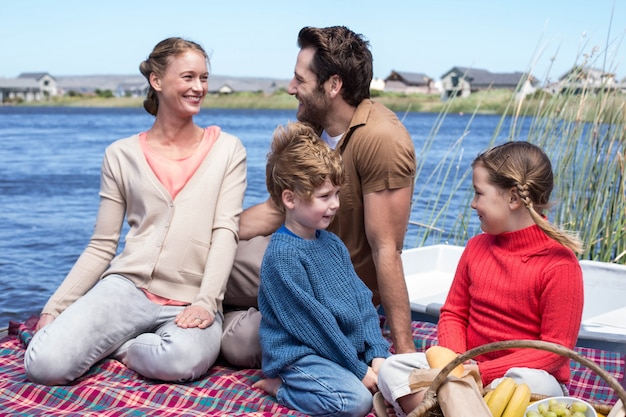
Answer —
(430, 399)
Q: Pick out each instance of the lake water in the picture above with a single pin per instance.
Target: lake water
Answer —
(49, 179)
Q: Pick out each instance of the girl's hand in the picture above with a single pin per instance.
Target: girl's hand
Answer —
(194, 316)
(370, 380)
(376, 362)
(44, 320)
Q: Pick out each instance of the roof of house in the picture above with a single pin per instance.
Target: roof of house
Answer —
(480, 77)
(36, 75)
(247, 84)
(409, 78)
(586, 71)
(19, 83)
(113, 82)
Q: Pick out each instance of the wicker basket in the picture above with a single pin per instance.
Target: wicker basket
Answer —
(430, 408)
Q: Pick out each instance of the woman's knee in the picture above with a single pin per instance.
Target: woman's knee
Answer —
(48, 367)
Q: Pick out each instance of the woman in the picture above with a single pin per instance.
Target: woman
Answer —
(155, 306)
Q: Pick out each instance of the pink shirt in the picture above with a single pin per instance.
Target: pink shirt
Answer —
(174, 173)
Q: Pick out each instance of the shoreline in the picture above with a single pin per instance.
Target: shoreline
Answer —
(489, 102)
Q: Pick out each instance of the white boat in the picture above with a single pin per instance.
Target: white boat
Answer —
(429, 271)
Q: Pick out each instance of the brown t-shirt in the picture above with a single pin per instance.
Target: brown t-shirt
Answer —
(378, 154)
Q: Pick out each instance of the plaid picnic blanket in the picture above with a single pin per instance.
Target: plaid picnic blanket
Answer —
(583, 384)
(111, 389)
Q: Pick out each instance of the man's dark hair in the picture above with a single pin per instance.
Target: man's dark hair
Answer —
(340, 51)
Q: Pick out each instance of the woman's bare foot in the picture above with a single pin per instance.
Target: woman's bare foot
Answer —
(269, 385)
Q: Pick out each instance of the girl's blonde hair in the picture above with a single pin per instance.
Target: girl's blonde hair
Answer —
(527, 168)
(300, 161)
(159, 59)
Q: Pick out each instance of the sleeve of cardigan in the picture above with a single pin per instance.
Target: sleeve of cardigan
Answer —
(286, 288)
(101, 248)
(225, 232)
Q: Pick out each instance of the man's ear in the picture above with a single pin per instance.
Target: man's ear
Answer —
(155, 81)
(335, 83)
(288, 198)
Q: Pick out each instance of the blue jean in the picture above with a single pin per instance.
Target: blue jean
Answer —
(116, 319)
(319, 387)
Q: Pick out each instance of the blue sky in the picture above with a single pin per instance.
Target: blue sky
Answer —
(258, 38)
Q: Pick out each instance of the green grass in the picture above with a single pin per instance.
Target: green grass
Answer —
(583, 133)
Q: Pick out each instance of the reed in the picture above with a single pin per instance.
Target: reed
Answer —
(582, 129)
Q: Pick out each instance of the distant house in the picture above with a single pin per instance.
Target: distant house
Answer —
(17, 89)
(377, 84)
(409, 83)
(583, 78)
(47, 83)
(28, 86)
(132, 89)
(462, 81)
(219, 84)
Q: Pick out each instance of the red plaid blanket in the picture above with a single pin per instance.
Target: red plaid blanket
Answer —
(111, 389)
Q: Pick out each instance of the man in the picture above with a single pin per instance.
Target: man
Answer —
(331, 81)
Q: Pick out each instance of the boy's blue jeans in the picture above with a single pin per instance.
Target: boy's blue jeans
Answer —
(317, 386)
(116, 319)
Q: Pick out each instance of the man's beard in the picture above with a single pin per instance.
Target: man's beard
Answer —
(313, 110)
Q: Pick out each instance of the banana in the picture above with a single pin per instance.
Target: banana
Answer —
(519, 402)
(439, 356)
(501, 396)
(488, 395)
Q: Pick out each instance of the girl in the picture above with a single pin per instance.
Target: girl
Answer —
(156, 306)
(520, 279)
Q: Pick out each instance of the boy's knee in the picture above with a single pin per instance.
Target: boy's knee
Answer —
(241, 345)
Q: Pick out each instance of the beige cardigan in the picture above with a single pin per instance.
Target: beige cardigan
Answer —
(182, 249)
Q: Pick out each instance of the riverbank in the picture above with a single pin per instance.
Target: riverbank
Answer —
(487, 102)
(500, 102)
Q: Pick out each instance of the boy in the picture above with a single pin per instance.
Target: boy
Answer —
(320, 334)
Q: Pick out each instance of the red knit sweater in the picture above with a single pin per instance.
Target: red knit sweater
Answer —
(516, 285)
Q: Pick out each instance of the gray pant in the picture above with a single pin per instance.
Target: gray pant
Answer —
(116, 319)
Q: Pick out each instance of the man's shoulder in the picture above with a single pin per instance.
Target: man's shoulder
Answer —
(372, 117)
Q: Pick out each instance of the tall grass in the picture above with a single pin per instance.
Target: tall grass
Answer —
(582, 129)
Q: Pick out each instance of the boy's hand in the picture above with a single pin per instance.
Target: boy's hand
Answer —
(370, 380)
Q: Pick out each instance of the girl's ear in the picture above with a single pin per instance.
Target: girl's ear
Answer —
(515, 200)
(288, 198)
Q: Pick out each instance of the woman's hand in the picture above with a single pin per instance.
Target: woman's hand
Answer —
(194, 316)
(44, 320)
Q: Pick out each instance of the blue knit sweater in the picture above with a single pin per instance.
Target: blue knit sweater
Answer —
(313, 303)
